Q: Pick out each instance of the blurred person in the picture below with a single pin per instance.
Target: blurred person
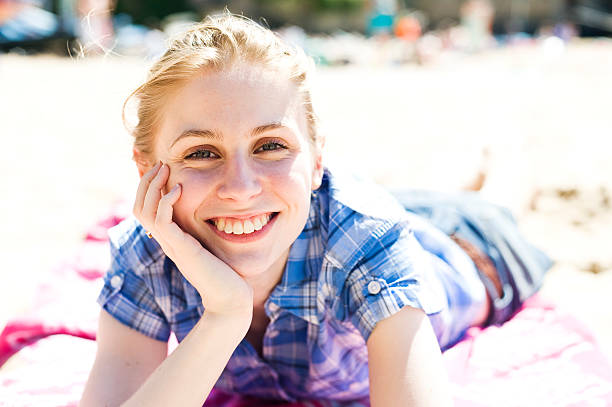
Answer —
(283, 278)
(89, 20)
(381, 17)
(477, 19)
(95, 28)
(408, 28)
(26, 21)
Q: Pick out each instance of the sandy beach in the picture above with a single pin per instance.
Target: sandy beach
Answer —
(543, 115)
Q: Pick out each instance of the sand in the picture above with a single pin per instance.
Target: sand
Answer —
(544, 116)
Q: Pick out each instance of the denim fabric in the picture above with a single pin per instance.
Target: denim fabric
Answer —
(491, 228)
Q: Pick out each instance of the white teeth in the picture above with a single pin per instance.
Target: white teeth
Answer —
(220, 224)
(238, 227)
(248, 226)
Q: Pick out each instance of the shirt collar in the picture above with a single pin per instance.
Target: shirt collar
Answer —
(343, 223)
(297, 290)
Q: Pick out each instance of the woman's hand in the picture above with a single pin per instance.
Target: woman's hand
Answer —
(223, 291)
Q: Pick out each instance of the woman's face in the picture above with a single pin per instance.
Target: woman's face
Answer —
(238, 144)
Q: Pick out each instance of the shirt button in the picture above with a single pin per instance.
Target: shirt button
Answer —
(374, 287)
(116, 281)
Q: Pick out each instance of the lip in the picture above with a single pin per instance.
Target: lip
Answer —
(245, 238)
(244, 216)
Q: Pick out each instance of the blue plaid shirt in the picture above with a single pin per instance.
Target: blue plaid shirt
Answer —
(360, 258)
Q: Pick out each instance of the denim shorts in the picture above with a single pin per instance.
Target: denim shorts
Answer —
(492, 229)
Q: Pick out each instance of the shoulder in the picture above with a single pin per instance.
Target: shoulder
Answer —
(137, 286)
(358, 216)
(377, 264)
(360, 195)
(131, 248)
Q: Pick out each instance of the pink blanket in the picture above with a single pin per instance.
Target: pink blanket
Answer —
(542, 357)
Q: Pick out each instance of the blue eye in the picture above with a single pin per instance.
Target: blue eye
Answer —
(201, 155)
(272, 146)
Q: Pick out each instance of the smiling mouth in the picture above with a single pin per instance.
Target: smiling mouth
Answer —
(234, 226)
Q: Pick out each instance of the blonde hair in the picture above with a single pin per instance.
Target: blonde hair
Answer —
(216, 43)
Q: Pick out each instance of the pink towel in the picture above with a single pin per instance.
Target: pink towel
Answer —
(542, 357)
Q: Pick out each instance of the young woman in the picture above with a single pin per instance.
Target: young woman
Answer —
(283, 279)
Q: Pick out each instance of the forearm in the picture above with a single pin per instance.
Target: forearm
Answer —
(406, 367)
(187, 376)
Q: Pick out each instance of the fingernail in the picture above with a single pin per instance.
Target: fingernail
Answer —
(175, 187)
(161, 168)
(155, 168)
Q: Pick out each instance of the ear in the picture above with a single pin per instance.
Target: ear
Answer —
(318, 167)
(141, 162)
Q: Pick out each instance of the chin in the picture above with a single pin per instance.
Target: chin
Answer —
(249, 261)
(249, 269)
(246, 266)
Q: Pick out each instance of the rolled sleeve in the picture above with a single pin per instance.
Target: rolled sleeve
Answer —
(390, 277)
(127, 297)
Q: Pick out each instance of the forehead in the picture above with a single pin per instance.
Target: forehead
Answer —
(232, 101)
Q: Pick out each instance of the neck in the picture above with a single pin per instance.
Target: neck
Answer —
(263, 283)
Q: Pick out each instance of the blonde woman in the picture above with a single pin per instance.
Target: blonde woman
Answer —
(282, 279)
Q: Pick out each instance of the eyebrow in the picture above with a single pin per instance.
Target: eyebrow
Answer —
(213, 135)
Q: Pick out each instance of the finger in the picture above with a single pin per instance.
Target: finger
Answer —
(143, 186)
(173, 237)
(166, 208)
(163, 220)
(153, 195)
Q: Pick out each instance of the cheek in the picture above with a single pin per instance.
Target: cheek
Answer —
(292, 181)
(197, 186)
(297, 171)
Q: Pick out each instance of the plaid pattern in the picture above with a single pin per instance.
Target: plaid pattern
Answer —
(359, 259)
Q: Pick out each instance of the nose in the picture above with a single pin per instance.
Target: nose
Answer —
(240, 181)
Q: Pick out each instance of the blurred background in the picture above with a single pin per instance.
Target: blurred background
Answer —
(424, 94)
(416, 28)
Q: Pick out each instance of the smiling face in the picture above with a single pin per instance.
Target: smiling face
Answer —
(237, 142)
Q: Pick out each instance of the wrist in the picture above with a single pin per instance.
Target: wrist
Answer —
(236, 323)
